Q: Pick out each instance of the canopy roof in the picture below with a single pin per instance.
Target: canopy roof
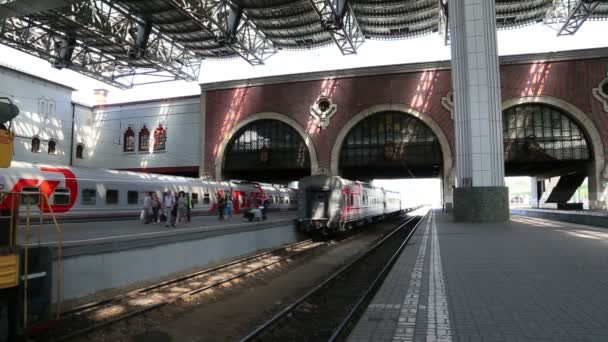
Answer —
(156, 40)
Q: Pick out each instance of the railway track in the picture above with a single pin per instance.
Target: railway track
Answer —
(329, 310)
(91, 317)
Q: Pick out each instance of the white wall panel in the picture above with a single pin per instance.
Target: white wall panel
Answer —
(46, 113)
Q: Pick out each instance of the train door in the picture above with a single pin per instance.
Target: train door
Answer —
(318, 204)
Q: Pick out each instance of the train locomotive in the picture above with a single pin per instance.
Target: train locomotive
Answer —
(330, 204)
(87, 194)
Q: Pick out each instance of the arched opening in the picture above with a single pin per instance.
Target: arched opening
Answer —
(539, 138)
(52, 149)
(550, 144)
(160, 138)
(129, 141)
(35, 145)
(266, 150)
(144, 139)
(390, 144)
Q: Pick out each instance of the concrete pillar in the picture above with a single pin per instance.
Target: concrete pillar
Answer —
(447, 191)
(596, 186)
(481, 194)
(534, 195)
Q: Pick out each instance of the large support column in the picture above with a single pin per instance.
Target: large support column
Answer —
(596, 187)
(534, 192)
(480, 194)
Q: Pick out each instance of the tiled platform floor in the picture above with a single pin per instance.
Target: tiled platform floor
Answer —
(525, 280)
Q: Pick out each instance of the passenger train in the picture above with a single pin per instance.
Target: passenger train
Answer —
(331, 204)
(94, 194)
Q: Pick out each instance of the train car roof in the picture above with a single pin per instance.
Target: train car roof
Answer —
(99, 174)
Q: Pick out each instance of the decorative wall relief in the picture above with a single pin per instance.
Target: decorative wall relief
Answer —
(322, 111)
(447, 102)
(601, 93)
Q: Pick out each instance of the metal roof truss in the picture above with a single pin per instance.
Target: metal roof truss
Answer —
(339, 20)
(567, 16)
(103, 31)
(230, 26)
(44, 43)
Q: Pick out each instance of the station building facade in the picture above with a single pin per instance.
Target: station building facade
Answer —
(378, 122)
(397, 122)
(161, 136)
(43, 130)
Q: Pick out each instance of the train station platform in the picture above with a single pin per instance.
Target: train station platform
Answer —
(528, 279)
(598, 218)
(105, 236)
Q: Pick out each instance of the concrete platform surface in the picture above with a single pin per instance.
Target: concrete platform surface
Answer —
(87, 233)
(597, 218)
(525, 280)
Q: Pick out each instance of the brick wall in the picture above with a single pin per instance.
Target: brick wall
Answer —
(571, 81)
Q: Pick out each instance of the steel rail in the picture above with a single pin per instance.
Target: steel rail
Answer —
(142, 310)
(91, 305)
(288, 310)
(374, 285)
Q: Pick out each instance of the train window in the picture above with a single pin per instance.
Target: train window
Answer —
(281, 200)
(61, 196)
(206, 199)
(132, 197)
(89, 196)
(33, 197)
(194, 199)
(111, 196)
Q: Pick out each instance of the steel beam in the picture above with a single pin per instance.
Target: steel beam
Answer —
(444, 21)
(230, 27)
(339, 20)
(140, 41)
(19, 8)
(567, 16)
(41, 41)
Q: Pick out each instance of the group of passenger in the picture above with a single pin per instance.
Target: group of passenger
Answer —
(224, 207)
(173, 208)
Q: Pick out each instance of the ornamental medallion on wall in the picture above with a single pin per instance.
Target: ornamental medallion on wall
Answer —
(447, 102)
(322, 111)
(601, 93)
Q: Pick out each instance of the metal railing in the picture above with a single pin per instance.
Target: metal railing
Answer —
(29, 200)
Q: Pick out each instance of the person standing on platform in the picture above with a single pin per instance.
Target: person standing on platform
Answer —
(182, 208)
(220, 206)
(155, 208)
(168, 201)
(228, 210)
(189, 197)
(265, 205)
(147, 212)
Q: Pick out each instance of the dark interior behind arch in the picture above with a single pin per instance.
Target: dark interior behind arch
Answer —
(390, 145)
(542, 139)
(266, 150)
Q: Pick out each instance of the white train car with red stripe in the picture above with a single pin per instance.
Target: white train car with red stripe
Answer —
(330, 204)
(88, 194)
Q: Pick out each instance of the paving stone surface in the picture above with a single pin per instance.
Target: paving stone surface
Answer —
(524, 280)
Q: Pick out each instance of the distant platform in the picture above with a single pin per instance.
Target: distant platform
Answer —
(528, 279)
(107, 236)
(598, 218)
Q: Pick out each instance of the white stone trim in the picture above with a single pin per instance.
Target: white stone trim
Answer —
(219, 159)
(396, 107)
